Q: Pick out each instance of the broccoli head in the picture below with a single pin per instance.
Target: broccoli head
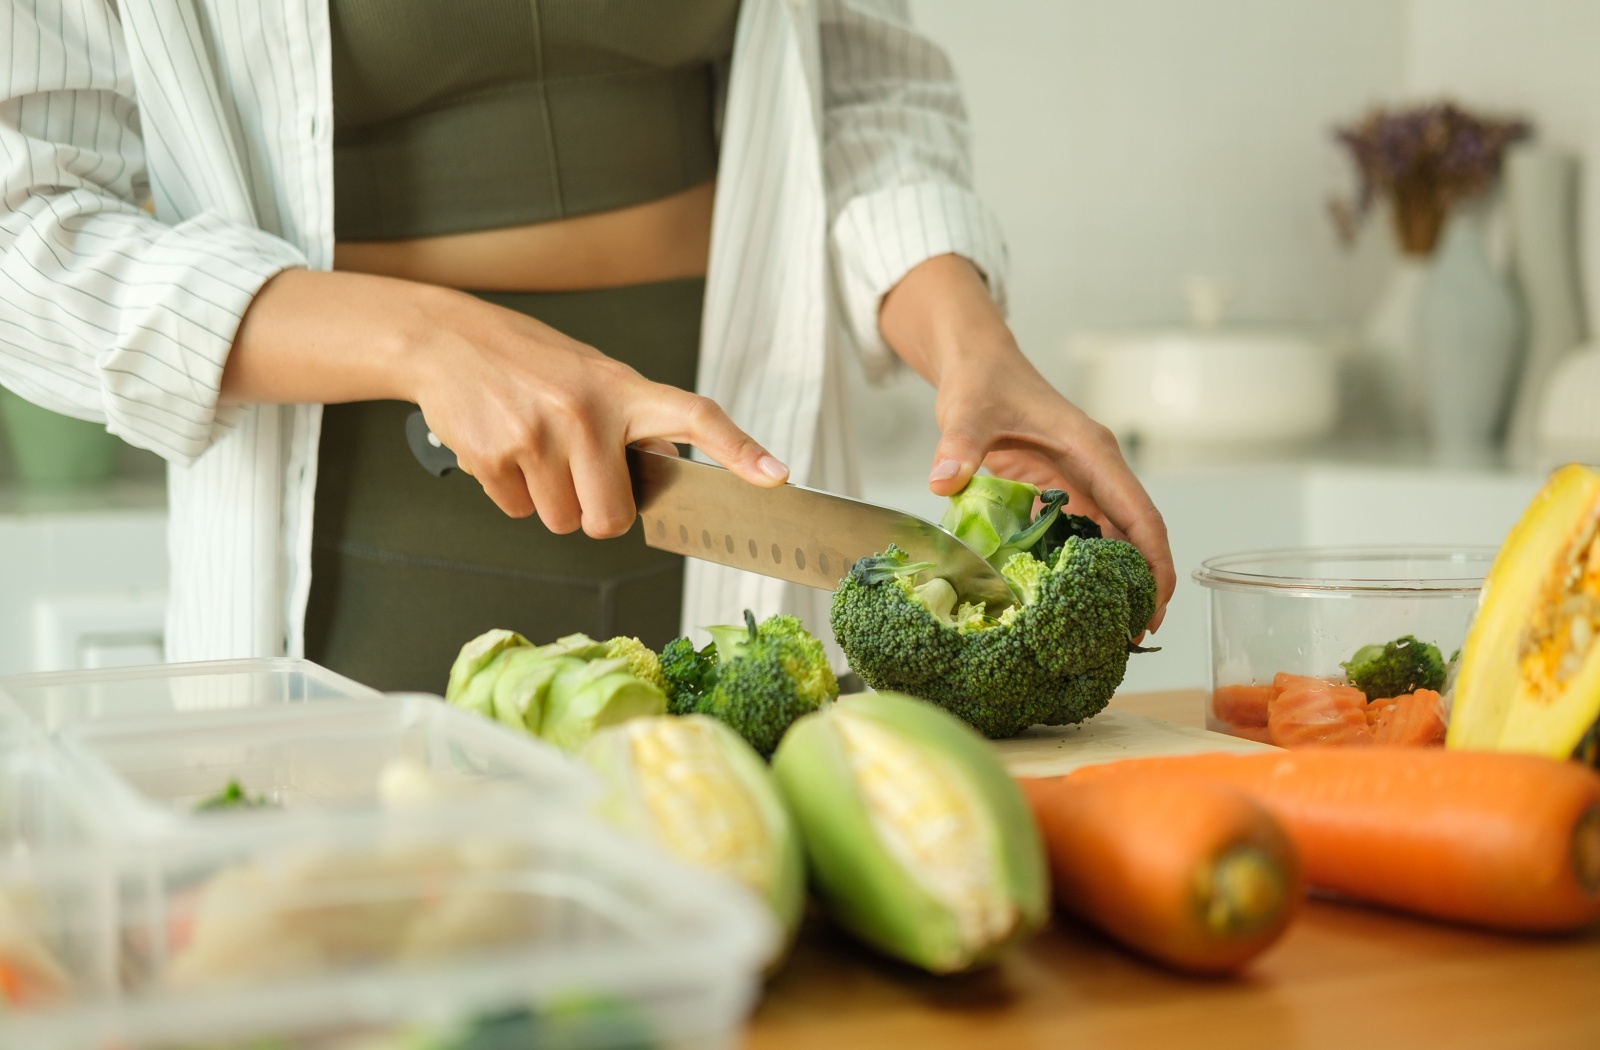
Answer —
(758, 678)
(1053, 658)
(1402, 666)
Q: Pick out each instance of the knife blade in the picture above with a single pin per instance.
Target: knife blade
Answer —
(790, 533)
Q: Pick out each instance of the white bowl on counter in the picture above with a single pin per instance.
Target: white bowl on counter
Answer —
(1222, 385)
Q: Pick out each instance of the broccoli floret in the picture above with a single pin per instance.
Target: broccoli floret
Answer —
(690, 674)
(1402, 666)
(756, 678)
(1053, 658)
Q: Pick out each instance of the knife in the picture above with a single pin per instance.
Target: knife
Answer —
(789, 533)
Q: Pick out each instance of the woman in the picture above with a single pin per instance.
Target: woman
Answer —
(212, 326)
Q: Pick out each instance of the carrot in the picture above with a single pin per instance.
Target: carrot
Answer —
(1241, 705)
(1411, 720)
(1193, 875)
(13, 989)
(1312, 711)
(1284, 680)
(1497, 839)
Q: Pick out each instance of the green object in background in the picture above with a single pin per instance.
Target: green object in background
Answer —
(51, 449)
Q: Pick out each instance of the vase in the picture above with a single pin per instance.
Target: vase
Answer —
(1467, 329)
(52, 449)
(1391, 390)
(1541, 198)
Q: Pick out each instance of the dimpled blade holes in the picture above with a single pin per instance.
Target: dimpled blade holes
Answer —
(753, 552)
(683, 534)
(777, 555)
(705, 539)
(799, 558)
(727, 541)
(661, 529)
(822, 564)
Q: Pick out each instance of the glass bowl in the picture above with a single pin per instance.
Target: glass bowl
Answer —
(1306, 611)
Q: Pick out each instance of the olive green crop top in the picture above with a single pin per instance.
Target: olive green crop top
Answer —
(456, 115)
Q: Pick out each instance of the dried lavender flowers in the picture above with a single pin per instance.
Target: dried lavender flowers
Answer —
(1425, 159)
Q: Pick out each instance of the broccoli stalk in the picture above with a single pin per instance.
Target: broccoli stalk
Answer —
(758, 678)
(1055, 657)
(1402, 666)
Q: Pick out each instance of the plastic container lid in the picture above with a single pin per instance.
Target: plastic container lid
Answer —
(61, 698)
(152, 774)
(1366, 571)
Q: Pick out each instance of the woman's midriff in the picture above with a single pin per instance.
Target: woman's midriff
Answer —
(660, 240)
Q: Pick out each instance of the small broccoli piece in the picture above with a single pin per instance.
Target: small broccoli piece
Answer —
(756, 678)
(690, 674)
(1053, 658)
(234, 796)
(1402, 666)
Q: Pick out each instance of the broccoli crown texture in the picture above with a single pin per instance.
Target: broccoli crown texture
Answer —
(1402, 666)
(1054, 658)
(758, 678)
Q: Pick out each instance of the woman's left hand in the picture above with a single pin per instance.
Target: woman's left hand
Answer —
(995, 410)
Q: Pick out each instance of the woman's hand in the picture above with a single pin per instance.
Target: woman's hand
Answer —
(541, 420)
(995, 410)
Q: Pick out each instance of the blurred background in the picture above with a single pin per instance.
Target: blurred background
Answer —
(1286, 360)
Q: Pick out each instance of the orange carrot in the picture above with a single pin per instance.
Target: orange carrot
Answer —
(13, 989)
(1411, 720)
(1284, 680)
(1194, 875)
(1491, 838)
(1241, 705)
(1311, 711)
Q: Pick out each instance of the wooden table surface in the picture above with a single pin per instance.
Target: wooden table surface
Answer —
(1343, 976)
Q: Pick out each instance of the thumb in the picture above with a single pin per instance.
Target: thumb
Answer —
(956, 458)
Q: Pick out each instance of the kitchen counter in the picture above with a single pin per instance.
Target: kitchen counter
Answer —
(1343, 976)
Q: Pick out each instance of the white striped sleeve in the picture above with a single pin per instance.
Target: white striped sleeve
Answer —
(107, 313)
(896, 163)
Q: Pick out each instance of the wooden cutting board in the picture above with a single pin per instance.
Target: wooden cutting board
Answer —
(1110, 735)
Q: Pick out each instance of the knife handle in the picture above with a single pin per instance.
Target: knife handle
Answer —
(427, 448)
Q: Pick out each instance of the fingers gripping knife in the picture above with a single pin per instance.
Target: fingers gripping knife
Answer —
(790, 533)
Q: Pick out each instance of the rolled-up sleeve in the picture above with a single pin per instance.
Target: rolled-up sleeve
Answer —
(896, 162)
(106, 312)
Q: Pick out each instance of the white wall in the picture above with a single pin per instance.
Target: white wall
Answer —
(1128, 143)
(1540, 58)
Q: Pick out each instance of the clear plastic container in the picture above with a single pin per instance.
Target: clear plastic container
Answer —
(291, 758)
(55, 699)
(400, 930)
(1306, 611)
(467, 899)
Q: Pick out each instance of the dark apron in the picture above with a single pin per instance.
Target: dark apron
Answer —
(406, 567)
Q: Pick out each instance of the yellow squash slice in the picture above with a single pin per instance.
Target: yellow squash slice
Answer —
(1529, 678)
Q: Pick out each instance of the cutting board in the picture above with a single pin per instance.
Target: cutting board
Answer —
(1110, 735)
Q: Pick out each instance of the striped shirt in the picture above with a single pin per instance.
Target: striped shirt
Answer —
(162, 159)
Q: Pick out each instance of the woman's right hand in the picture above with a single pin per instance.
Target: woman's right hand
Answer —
(540, 419)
